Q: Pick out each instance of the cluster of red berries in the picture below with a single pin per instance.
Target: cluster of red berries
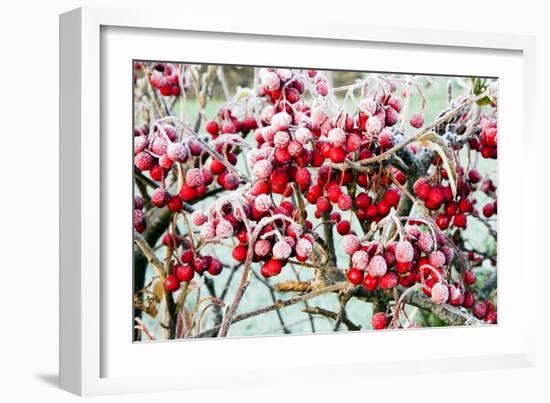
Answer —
(302, 146)
(164, 78)
(189, 264)
(487, 142)
(418, 259)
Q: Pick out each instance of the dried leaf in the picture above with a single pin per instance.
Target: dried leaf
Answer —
(433, 141)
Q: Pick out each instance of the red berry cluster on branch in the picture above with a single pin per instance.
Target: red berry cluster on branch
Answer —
(310, 162)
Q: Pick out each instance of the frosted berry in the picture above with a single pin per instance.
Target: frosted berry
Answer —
(224, 229)
(262, 169)
(377, 266)
(176, 152)
(437, 259)
(440, 293)
(351, 244)
(304, 247)
(378, 321)
(194, 177)
(160, 197)
(280, 121)
(281, 250)
(143, 161)
(303, 135)
(389, 280)
(404, 252)
(425, 242)
(344, 202)
(360, 260)
(417, 120)
(337, 137)
(198, 218)
(262, 203)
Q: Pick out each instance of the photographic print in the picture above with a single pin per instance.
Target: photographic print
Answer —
(281, 200)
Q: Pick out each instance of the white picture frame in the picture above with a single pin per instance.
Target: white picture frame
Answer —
(87, 345)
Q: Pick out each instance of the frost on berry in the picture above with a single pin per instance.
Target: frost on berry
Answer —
(280, 121)
(377, 266)
(304, 247)
(440, 293)
(303, 135)
(159, 146)
(425, 242)
(360, 260)
(271, 81)
(417, 120)
(404, 252)
(374, 126)
(281, 139)
(351, 244)
(281, 250)
(369, 106)
(262, 247)
(140, 144)
(224, 229)
(176, 152)
(262, 203)
(337, 137)
(378, 321)
(143, 161)
(194, 177)
(208, 231)
(262, 169)
(198, 218)
(437, 259)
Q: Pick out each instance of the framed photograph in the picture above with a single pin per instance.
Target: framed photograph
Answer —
(237, 201)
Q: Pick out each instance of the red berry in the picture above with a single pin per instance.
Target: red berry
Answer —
(343, 227)
(215, 267)
(442, 221)
(239, 253)
(460, 220)
(337, 155)
(355, 276)
(383, 208)
(323, 204)
(480, 310)
(217, 167)
(392, 197)
(362, 200)
(212, 127)
(171, 283)
(159, 198)
(469, 277)
(370, 283)
(184, 272)
(378, 321)
(344, 202)
(422, 189)
(175, 204)
(488, 210)
(436, 197)
(417, 120)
